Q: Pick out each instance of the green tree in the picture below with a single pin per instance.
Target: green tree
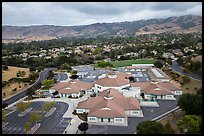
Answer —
(190, 124)
(53, 103)
(104, 64)
(22, 106)
(83, 127)
(194, 66)
(158, 64)
(35, 117)
(47, 83)
(191, 103)
(149, 127)
(5, 67)
(65, 66)
(3, 116)
(74, 72)
(27, 127)
(47, 106)
(186, 79)
(168, 129)
(199, 91)
(98, 50)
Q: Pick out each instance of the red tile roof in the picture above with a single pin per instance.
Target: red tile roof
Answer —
(73, 86)
(100, 106)
(120, 80)
(150, 88)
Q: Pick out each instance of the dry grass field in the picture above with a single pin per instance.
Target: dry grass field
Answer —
(197, 58)
(12, 71)
(7, 90)
(172, 120)
(190, 87)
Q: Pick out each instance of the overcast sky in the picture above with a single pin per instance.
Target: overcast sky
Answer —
(83, 13)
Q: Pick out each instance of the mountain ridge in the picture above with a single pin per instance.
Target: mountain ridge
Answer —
(174, 24)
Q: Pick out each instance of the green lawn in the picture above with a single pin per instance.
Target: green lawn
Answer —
(123, 63)
(130, 62)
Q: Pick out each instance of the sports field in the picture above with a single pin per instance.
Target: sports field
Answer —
(130, 62)
(123, 63)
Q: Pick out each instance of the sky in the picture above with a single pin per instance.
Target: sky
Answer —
(84, 13)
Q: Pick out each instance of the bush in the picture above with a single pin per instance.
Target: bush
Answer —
(149, 127)
(186, 79)
(74, 112)
(158, 64)
(4, 105)
(104, 64)
(70, 96)
(5, 67)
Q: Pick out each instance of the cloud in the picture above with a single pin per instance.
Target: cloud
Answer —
(82, 13)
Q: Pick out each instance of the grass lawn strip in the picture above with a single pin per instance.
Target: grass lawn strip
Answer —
(50, 112)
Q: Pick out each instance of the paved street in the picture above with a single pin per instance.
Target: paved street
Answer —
(43, 75)
(149, 113)
(179, 69)
(49, 125)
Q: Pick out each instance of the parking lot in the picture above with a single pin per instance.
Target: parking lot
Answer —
(16, 123)
(59, 129)
(89, 73)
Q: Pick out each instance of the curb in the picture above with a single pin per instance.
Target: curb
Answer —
(50, 112)
(34, 128)
(25, 112)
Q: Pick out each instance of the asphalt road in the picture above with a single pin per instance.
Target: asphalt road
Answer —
(54, 124)
(61, 77)
(43, 75)
(179, 69)
(149, 114)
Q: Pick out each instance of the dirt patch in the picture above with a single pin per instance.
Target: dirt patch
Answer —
(190, 87)
(173, 119)
(8, 89)
(197, 58)
(12, 71)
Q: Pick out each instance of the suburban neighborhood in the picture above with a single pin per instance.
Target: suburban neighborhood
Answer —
(102, 68)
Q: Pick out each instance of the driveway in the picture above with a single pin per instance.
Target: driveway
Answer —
(149, 114)
(179, 69)
(49, 125)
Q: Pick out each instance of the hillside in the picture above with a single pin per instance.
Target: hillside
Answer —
(176, 25)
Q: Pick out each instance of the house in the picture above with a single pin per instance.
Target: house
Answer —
(177, 52)
(116, 80)
(75, 88)
(158, 90)
(110, 107)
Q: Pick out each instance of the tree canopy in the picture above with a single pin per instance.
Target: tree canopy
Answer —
(190, 124)
(191, 103)
(150, 127)
(83, 127)
(158, 64)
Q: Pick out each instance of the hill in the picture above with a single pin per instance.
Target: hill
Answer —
(176, 25)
